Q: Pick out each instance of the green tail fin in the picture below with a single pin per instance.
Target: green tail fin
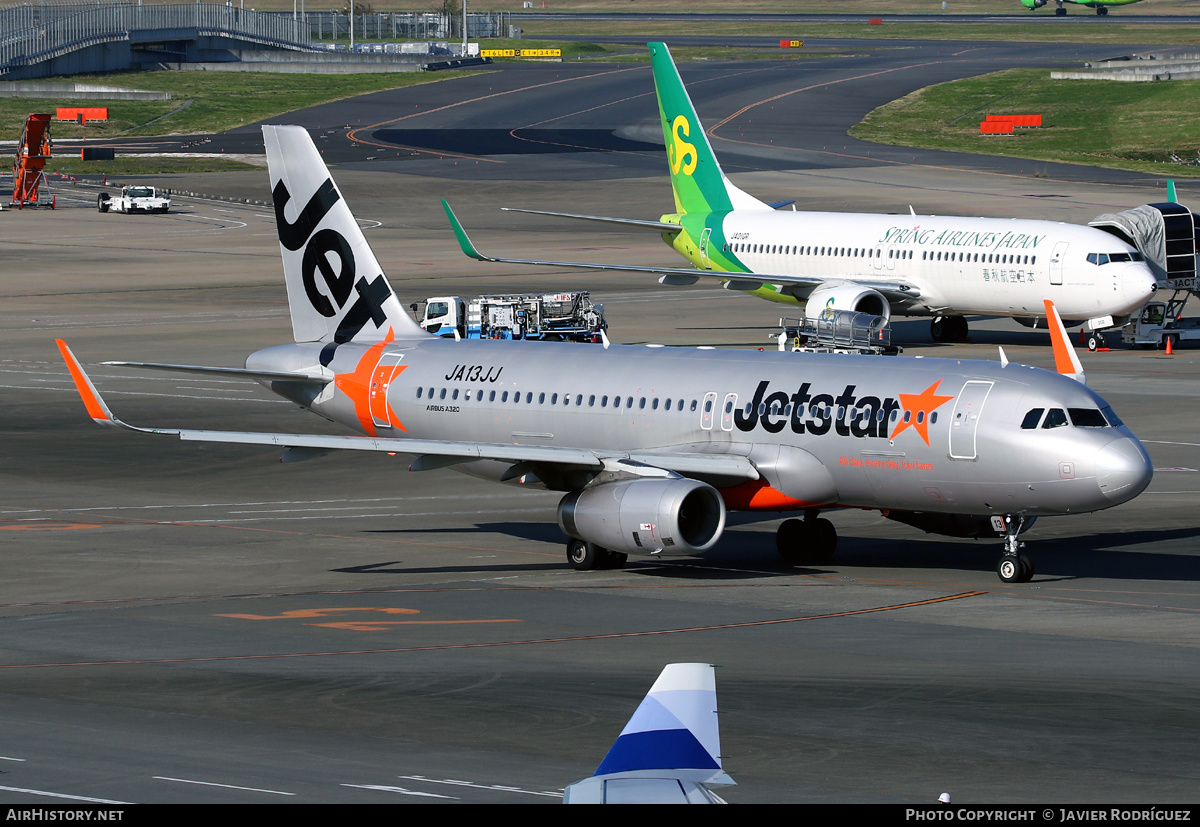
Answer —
(696, 178)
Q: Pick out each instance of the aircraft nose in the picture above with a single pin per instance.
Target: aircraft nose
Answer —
(1138, 285)
(1123, 470)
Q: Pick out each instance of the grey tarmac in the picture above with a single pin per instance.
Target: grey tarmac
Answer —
(200, 623)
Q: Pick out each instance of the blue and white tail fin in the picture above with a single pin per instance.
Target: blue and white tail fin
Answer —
(336, 289)
(669, 751)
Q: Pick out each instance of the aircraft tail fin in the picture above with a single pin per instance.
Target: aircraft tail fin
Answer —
(669, 750)
(336, 289)
(696, 178)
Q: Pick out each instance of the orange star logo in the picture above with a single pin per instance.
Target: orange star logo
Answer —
(917, 408)
(367, 385)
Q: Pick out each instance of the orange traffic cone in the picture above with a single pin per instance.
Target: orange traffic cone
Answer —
(1170, 350)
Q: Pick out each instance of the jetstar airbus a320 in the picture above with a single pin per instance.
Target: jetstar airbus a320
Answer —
(651, 446)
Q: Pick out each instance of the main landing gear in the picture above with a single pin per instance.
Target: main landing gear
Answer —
(1014, 567)
(948, 328)
(810, 541)
(1095, 341)
(587, 556)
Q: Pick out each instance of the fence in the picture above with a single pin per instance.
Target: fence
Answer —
(33, 33)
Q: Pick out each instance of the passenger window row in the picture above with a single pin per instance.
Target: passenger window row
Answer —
(926, 255)
(566, 399)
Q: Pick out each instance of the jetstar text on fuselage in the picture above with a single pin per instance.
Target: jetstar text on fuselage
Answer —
(846, 414)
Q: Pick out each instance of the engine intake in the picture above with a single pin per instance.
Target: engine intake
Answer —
(844, 295)
(675, 516)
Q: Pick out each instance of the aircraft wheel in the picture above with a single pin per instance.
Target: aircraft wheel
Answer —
(1102, 11)
(1027, 570)
(958, 328)
(939, 329)
(1060, 12)
(792, 540)
(823, 540)
(1009, 569)
(1094, 341)
(612, 560)
(582, 556)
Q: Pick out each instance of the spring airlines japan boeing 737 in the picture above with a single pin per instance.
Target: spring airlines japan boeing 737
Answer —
(908, 265)
(650, 446)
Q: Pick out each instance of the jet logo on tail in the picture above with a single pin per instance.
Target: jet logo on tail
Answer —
(327, 251)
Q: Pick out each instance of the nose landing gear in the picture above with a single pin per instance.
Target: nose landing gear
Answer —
(1013, 567)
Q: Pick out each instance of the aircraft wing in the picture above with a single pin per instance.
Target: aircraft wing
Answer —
(799, 286)
(431, 453)
(660, 226)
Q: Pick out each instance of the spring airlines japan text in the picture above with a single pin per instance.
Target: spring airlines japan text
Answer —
(962, 238)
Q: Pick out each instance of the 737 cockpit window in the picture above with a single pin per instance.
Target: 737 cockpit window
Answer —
(1105, 258)
(1032, 419)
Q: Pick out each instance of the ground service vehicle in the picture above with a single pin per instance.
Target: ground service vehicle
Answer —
(549, 317)
(134, 199)
(1159, 323)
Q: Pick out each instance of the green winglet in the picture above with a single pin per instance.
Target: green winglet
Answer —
(463, 240)
(1171, 192)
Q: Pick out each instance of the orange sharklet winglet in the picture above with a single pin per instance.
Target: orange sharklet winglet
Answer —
(95, 406)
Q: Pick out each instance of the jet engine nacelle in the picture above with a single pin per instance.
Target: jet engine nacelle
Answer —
(1033, 4)
(646, 516)
(846, 296)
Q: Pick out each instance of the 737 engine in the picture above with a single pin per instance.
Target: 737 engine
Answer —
(642, 516)
(844, 295)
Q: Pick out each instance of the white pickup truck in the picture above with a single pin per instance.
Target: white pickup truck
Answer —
(133, 199)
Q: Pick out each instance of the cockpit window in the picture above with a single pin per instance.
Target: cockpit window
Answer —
(1112, 418)
(1131, 256)
(1032, 419)
(1087, 418)
(1056, 418)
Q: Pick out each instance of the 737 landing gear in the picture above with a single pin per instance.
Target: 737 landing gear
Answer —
(949, 328)
(583, 556)
(1014, 567)
(1095, 341)
(812, 540)
(1060, 11)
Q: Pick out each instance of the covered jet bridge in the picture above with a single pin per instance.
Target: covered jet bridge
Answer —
(1166, 234)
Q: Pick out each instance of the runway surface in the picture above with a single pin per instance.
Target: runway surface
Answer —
(184, 623)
